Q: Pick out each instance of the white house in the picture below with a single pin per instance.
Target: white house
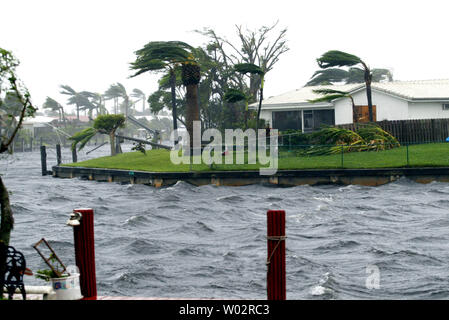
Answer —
(396, 100)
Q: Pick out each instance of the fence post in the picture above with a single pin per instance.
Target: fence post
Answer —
(58, 154)
(276, 275)
(85, 252)
(74, 156)
(342, 156)
(408, 161)
(44, 160)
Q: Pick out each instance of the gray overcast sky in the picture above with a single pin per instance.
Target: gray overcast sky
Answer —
(89, 44)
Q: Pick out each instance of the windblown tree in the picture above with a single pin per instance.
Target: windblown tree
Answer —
(163, 56)
(256, 47)
(335, 58)
(92, 102)
(234, 96)
(262, 47)
(167, 56)
(252, 69)
(140, 96)
(118, 90)
(332, 94)
(9, 126)
(75, 98)
(353, 75)
(104, 124)
(54, 105)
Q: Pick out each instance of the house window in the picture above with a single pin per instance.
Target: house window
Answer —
(445, 106)
(311, 119)
(315, 119)
(283, 120)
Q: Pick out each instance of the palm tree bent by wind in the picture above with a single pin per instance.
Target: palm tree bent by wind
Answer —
(158, 56)
(335, 58)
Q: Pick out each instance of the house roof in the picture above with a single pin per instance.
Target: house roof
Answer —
(416, 90)
(37, 119)
(409, 90)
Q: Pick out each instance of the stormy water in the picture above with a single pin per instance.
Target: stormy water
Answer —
(183, 241)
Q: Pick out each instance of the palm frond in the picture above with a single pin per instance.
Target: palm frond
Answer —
(51, 104)
(82, 137)
(336, 58)
(67, 90)
(248, 68)
(234, 95)
(328, 75)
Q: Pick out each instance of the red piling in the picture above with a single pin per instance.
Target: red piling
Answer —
(85, 253)
(276, 280)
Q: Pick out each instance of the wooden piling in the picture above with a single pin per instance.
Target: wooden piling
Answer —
(58, 154)
(85, 253)
(276, 274)
(44, 160)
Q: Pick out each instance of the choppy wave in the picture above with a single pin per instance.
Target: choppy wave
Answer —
(210, 241)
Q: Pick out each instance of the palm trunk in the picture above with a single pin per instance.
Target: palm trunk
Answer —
(258, 112)
(370, 102)
(192, 109)
(368, 78)
(126, 108)
(173, 102)
(112, 142)
(77, 111)
(354, 116)
(63, 117)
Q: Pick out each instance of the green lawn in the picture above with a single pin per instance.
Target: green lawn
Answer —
(422, 155)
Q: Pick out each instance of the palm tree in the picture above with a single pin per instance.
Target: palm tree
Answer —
(118, 91)
(250, 68)
(335, 58)
(75, 98)
(353, 75)
(55, 106)
(331, 94)
(158, 56)
(235, 95)
(140, 95)
(105, 124)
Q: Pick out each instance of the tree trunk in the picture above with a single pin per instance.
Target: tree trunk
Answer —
(370, 102)
(368, 78)
(63, 117)
(173, 102)
(192, 109)
(112, 142)
(258, 113)
(6, 226)
(7, 220)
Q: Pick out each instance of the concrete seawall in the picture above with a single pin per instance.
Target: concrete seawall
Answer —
(367, 177)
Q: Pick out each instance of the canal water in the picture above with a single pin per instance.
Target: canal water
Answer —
(344, 242)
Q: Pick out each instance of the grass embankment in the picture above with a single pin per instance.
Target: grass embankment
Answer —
(422, 155)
